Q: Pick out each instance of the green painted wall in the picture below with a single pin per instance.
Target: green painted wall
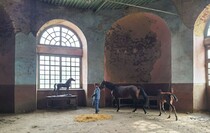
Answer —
(25, 59)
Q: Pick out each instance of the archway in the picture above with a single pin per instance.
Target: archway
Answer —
(138, 50)
(73, 57)
(83, 42)
(199, 78)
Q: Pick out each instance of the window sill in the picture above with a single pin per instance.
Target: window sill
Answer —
(60, 90)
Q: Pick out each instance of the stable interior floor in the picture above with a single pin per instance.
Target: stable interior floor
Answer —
(124, 121)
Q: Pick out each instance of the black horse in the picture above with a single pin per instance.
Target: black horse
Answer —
(60, 85)
(126, 91)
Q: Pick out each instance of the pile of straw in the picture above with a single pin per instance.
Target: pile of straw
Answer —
(92, 117)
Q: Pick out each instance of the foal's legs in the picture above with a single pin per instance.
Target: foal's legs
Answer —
(163, 108)
(175, 113)
(172, 107)
(160, 106)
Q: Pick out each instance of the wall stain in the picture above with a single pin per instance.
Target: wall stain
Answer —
(128, 57)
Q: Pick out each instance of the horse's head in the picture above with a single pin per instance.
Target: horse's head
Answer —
(108, 85)
(72, 79)
(102, 85)
(69, 81)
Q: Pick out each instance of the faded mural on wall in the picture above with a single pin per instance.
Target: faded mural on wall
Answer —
(132, 49)
(135, 56)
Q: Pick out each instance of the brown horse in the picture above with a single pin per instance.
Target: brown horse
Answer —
(126, 91)
(168, 98)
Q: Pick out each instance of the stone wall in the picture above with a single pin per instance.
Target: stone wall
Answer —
(24, 18)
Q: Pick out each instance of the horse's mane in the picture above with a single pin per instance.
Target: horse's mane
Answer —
(69, 81)
(110, 85)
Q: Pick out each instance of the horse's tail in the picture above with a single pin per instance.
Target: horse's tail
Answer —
(55, 87)
(145, 96)
(175, 98)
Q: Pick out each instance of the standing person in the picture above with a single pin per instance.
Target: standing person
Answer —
(96, 97)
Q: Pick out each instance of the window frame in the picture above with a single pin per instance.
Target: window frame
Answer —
(58, 25)
(207, 47)
(207, 61)
(206, 30)
(61, 51)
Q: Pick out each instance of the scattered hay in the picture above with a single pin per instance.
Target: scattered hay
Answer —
(92, 117)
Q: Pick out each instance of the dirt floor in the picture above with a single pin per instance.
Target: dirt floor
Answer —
(124, 121)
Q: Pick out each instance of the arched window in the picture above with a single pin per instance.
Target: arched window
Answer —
(207, 49)
(59, 56)
(207, 30)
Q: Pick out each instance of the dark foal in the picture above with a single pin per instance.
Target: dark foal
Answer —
(61, 85)
(168, 98)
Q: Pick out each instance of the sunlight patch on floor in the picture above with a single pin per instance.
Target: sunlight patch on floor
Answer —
(150, 127)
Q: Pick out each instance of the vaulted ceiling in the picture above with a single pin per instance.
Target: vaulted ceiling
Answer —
(97, 5)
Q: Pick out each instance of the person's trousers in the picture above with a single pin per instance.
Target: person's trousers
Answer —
(96, 105)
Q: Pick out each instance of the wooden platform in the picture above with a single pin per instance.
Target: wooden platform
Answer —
(62, 101)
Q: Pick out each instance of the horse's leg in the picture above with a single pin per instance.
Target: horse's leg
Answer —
(146, 101)
(55, 88)
(160, 106)
(144, 106)
(170, 108)
(57, 91)
(144, 109)
(175, 113)
(163, 108)
(67, 88)
(135, 104)
(173, 107)
(118, 104)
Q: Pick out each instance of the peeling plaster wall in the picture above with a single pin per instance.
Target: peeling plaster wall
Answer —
(25, 56)
(25, 73)
(24, 63)
(182, 54)
(7, 59)
(182, 66)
